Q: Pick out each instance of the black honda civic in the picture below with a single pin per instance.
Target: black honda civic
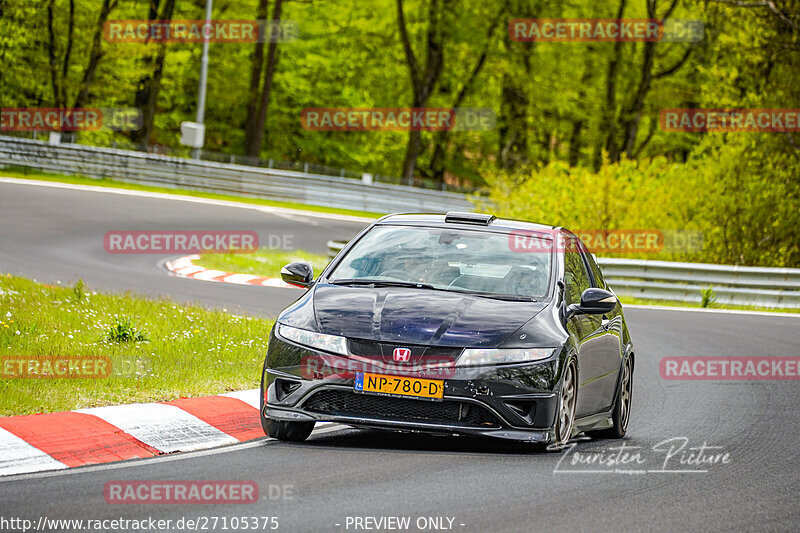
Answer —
(460, 324)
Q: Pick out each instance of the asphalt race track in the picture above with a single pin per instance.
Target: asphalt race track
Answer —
(56, 234)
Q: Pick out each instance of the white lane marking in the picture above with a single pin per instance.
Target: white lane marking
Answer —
(19, 457)
(240, 279)
(131, 463)
(164, 427)
(285, 212)
(705, 310)
(209, 275)
(249, 396)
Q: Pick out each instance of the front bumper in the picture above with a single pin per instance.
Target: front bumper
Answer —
(510, 401)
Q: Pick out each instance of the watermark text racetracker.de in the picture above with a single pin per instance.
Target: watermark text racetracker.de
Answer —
(192, 492)
(676, 455)
(198, 31)
(189, 241)
(320, 366)
(605, 30)
(397, 119)
(66, 119)
(55, 366)
(699, 120)
(73, 366)
(606, 241)
(731, 368)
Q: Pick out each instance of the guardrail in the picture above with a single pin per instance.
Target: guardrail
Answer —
(225, 178)
(684, 282)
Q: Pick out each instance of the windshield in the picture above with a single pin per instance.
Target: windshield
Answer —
(476, 262)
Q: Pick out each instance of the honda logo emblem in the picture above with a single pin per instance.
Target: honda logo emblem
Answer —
(401, 355)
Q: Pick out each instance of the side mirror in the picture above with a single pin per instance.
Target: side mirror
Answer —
(594, 301)
(299, 274)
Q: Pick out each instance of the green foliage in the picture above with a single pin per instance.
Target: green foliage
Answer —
(557, 104)
(708, 297)
(125, 330)
(734, 197)
(78, 290)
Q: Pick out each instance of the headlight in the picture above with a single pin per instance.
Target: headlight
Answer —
(496, 356)
(312, 339)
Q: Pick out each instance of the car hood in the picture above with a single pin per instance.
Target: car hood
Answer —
(418, 316)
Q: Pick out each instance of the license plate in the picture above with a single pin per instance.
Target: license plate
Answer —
(432, 389)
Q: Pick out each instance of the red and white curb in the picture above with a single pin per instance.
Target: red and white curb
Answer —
(184, 267)
(54, 441)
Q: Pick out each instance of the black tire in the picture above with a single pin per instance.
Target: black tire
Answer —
(622, 406)
(278, 429)
(288, 431)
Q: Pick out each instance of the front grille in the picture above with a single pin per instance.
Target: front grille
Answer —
(345, 403)
(419, 353)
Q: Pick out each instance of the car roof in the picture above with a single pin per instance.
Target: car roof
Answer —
(433, 219)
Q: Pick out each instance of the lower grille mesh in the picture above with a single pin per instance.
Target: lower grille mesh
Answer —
(344, 403)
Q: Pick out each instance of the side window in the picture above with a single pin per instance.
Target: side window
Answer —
(599, 282)
(576, 277)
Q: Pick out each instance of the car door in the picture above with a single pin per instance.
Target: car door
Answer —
(609, 340)
(588, 334)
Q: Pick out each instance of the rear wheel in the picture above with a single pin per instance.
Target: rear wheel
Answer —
(622, 407)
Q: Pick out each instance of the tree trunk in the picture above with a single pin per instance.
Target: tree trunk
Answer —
(608, 123)
(441, 137)
(513, 128)
(52, 54)
(96, 53)
(422, 82)
(255, 140)
(256, 67)
(150, 85)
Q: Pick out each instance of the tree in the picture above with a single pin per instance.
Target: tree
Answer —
(255, 135)
(149, 86)
(423, 78)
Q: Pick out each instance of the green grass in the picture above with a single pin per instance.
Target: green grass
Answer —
(263, 262)
(32, 174)
(669, 303)
(188, 351)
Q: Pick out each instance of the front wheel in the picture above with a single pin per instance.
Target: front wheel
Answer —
(565, 414)
(288, 431)
(565, 418)
(278, 429)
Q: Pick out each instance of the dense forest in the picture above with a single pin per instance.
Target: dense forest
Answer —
(576, 139)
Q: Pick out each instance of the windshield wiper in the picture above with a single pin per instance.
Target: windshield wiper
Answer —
(496, 296)
(420, 285)
(383, 283)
